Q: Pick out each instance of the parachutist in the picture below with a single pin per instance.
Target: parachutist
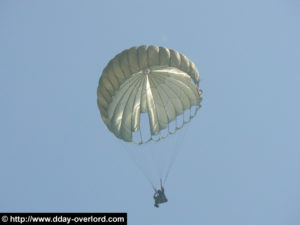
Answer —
(146, 88)
(159, 196)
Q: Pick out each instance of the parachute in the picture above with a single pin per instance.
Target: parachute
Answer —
(159, 82)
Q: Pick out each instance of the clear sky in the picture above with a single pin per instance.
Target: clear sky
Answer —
(239, 161)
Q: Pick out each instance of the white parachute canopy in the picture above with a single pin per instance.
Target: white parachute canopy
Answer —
(154, 80)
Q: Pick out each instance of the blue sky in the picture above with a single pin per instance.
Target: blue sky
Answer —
(240, 157)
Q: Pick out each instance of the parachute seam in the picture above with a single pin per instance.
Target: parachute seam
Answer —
(138, 57)
(182, 90)
(133, 91)
(118, 58)
(108, 79)
(100, 93)
(135, 81)
(147, 54)
(175, 95)
(139, 119)
(154, 106)
(163, 107)
(117, 107)
(176, 64)
(116, 63)
(158, 91)
(128, 63)
(113, 72)
(177, 113)
(183, 58)
(176, 82)
(136, 97)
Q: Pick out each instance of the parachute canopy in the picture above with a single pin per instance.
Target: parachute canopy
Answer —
(158, 81)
